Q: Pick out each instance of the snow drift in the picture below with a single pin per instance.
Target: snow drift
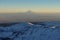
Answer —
(30, 31)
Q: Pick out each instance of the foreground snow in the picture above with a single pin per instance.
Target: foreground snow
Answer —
(31, 31)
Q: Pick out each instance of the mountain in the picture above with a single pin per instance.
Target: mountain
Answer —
(27, 31)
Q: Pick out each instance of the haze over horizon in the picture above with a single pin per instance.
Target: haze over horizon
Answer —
(29, 16)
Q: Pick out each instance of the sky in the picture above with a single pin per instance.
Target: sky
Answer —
(33, 5)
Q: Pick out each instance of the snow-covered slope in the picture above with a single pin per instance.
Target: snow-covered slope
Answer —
(31, 31)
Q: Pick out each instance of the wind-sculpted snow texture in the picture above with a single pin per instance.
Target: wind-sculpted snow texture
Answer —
(30, 31)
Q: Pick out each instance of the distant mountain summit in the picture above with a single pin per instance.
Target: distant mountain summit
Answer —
(29, 11)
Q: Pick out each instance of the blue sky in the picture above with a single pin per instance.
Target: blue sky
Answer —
(30, 4)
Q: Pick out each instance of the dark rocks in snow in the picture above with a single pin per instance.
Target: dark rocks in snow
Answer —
(7, 24)
(38, 23)
(5, 39)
